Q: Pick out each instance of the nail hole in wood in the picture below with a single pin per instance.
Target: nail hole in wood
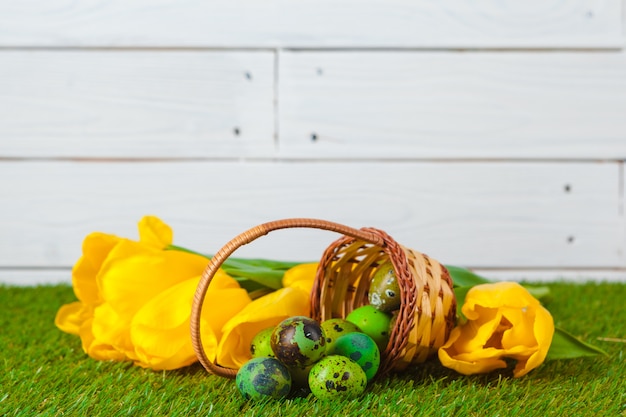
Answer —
(570, 239)
(236, 131)
(248, 75)
(567, 188)
(320, 71)
(313, 137)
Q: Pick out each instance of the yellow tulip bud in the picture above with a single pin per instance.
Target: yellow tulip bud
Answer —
(503, 321)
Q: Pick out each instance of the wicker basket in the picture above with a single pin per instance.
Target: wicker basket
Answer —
(428, 307)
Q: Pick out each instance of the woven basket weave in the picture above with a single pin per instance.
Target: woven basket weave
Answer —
(427, 312)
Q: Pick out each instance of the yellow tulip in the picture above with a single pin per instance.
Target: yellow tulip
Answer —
(96, 248)
(267, 311)
(503, 321)
(118, 278)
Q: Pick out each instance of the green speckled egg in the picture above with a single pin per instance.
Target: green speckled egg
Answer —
(372, 322)
(337, 377)
(384, 291)
(335, 328)
(263, 378)
(261, 346)
(298, 341)
(360, 348)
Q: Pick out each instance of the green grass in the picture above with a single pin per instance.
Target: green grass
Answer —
(45, 372)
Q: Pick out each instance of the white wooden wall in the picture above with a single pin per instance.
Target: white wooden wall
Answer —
(489, 134)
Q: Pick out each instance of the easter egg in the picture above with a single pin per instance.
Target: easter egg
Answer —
(337, 377)
(261, 346)
(373, 322)
(298, 341)
(335, 328)
(384, 291)
(360, 348)
(263, 378)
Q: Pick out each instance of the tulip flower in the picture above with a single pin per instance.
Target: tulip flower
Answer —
(503, 321)
(124, 288)
(96, 249)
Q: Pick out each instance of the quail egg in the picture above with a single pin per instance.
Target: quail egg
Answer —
(384, 290)
(298, 341)
(360, 348)
(373, 322)
(263, 378)
(337, 377)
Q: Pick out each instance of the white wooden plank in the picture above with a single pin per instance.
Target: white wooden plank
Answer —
(489, 215)
(136, 103)
(453, 105)
(312, 23)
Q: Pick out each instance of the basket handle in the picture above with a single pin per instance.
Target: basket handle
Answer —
(243, 239)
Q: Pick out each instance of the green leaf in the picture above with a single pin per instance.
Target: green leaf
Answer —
(250, 285)
(567, 346)
(462, 277)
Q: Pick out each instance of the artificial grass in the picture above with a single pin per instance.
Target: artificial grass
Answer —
(45, 372)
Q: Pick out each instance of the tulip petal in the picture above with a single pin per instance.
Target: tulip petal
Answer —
(71, 317)
(96, 248)
(499, 294)
(97, 349)
(478, 332)
(303, 272)
(172, 307)
(544, 331)
(154, 232)
(111, 329)
(521, 332)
